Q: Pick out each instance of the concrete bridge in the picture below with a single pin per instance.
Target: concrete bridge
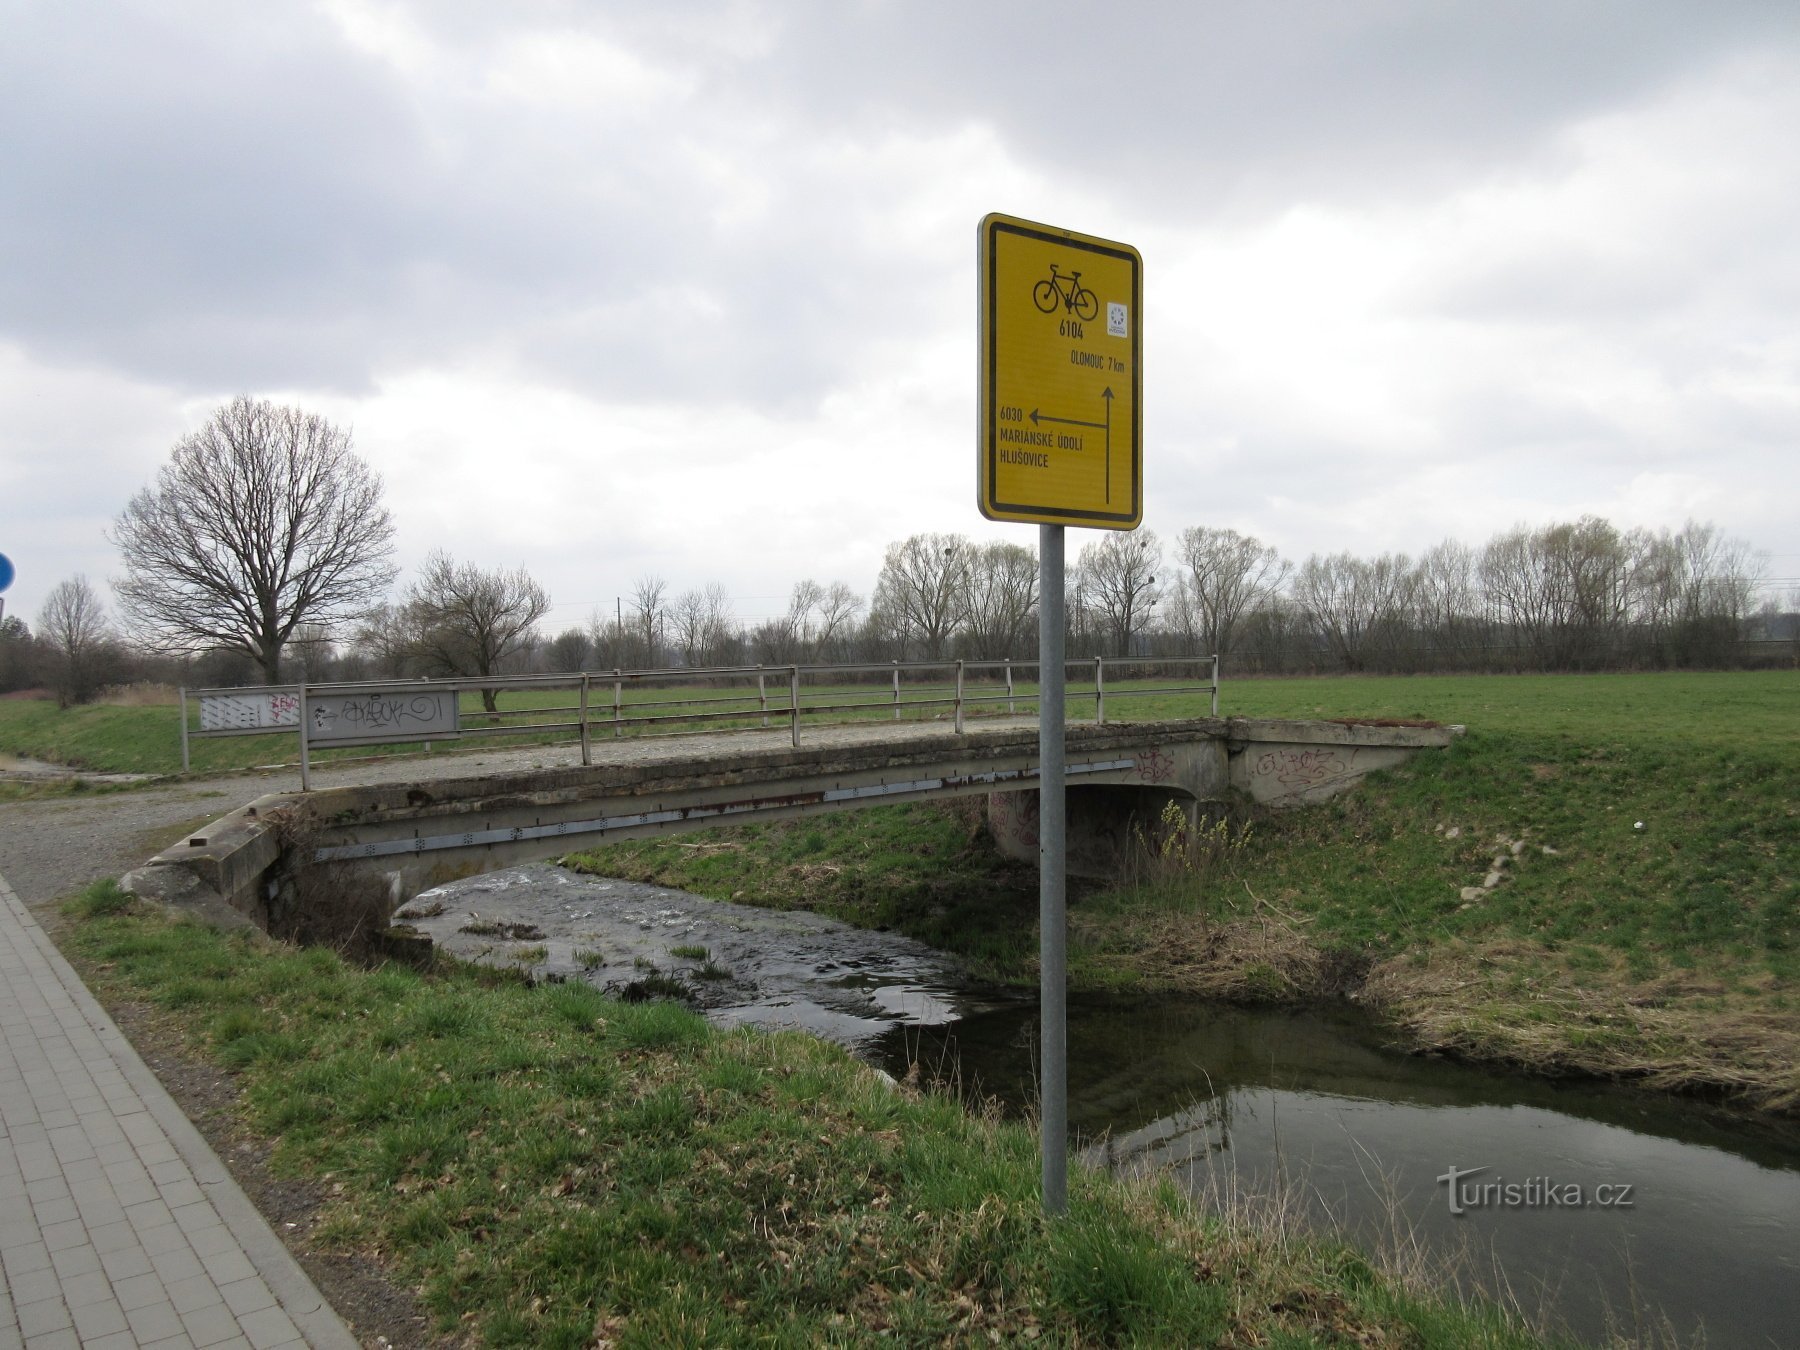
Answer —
(414, 835)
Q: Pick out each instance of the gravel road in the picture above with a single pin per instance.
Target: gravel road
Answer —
(58, 845)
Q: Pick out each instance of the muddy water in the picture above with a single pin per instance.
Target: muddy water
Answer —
(1599, 1209)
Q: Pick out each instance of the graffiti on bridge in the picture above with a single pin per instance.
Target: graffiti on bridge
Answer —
(1298, 770)
(401, 717)
(1155, 766)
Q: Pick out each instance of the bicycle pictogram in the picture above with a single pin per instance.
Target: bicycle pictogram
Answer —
(1076, 298)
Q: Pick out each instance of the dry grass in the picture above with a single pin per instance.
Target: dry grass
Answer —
(1519, 1003)
(1260, 953)
(142, 694)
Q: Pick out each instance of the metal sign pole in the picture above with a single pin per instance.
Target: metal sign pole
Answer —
(305, 747)
(1059, 442)
(1053, 1094)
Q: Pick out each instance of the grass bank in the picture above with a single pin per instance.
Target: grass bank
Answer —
(549, 1167)
(1599, 878)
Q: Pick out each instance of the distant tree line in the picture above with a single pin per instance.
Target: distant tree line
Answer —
(262, 552)
(1560, 597)
(1580, 596)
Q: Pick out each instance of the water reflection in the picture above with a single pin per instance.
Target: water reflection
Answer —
(1701, 1220)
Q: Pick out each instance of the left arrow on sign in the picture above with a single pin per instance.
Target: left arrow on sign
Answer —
(1105, 426)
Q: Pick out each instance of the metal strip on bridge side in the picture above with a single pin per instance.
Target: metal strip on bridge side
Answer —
(719, 812)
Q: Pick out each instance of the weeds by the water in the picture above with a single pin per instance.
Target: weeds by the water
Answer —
(1183, 849)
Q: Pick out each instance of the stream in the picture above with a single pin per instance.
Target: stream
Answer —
(1596, 1208)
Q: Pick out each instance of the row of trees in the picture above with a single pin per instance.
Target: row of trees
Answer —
(263, 548)
(1582, 595)
(1578, 596)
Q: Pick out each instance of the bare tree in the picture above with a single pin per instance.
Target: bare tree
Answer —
(1692, 591)
(1447, 602)
(1081, 616)
(1181, 617)
(72, 626)
(649, 600)
(384, 641)
(1592, 570)
(775, 642)
(838, 608)
(611, 639)
(1350, 599)
(881, 636)
(469, 622)
(17, 652)
(1119, 573)
(312, 651)
(1003, 597)
(262, 520)
(569, 650)
(703, 624)
(804, 600)
(1516, 582)
(1268, 635)
(1228, 574)
(1563, 589)
(922, 591)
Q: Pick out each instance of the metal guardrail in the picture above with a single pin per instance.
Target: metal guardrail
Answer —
(667, 702)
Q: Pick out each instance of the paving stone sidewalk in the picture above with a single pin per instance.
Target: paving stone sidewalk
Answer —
(119, 1226)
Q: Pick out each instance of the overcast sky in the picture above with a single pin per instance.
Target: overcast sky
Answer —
(608, 289)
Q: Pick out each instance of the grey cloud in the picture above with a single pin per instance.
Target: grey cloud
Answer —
(239, 200)
(1204, 106)
(231, 197)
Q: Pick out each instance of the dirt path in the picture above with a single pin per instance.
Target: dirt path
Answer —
(52, 847)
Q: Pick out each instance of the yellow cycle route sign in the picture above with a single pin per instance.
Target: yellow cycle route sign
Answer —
(1061, 439)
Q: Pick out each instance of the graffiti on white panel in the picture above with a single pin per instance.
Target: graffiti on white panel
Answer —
(357, 717)
(249, 712)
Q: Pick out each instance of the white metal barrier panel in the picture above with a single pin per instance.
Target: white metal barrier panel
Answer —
(224, 711)
(377, 718)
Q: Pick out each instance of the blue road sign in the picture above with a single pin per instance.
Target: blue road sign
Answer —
(6, 571)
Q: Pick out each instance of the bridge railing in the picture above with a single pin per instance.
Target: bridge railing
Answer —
(582, 706)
